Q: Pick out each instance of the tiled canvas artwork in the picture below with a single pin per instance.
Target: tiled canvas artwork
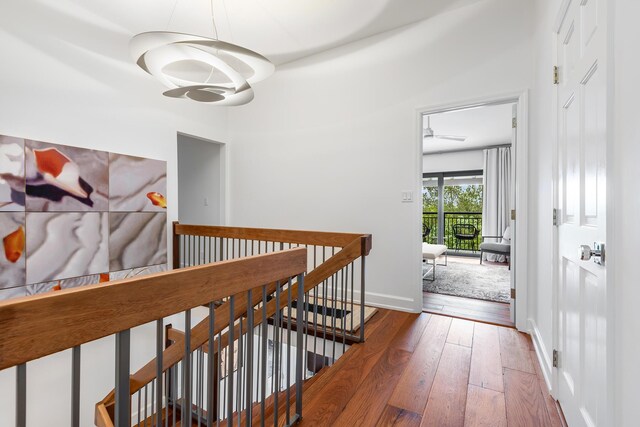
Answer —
(12, 196)
(66, 244)
(135, 272)
(11, 293)
(12, 258)
(137, 239)
(137, 184)
(72, 282)
(72, 216)
(62, 178)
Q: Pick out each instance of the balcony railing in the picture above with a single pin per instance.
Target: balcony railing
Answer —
(453, 242)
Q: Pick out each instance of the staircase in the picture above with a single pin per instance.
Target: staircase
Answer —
(256, 331)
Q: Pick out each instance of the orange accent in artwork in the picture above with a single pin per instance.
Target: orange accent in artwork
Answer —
(157, 199)
(14, 244)
(51, 161)
(57, 287)
(104, 277)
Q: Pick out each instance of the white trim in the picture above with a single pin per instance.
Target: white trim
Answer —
(391, 302)
(224, 175)
(375, 299)
(544, 358)
(522, 191)
(387, 301)
(555, 271)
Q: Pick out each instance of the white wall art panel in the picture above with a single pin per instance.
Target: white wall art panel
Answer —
(137, 239)
(64, 245)
(62, 178)
(11, 174)
(137, 184)
(12, 259)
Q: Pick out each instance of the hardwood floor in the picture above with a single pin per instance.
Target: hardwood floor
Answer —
(496, 313)
(432, 370)
(467, 308)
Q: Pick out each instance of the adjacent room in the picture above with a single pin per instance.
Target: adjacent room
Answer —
(467, 198)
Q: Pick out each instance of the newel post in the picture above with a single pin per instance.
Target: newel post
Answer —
(176, 246)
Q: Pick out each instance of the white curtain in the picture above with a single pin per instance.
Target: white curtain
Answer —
(496, 195)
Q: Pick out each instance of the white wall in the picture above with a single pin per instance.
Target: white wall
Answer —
(623, 250)
(200, 177)
(331, 141)
(452, 162)
(65, 82)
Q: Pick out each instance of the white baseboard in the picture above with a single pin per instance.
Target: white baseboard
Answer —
(544, 357)
(389, 302)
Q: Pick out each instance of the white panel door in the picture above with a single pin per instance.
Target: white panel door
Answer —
(582, 288)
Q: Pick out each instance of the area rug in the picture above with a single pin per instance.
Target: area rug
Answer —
(486, 282)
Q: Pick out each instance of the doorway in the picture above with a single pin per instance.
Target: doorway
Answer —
(201, 181)
(468, 211)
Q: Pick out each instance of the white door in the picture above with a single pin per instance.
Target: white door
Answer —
(582, 287)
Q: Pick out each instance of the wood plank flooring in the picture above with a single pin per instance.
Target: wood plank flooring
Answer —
(496, 313)
(432, 370)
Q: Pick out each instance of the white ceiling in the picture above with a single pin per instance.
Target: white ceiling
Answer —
(281, 30)
(482, 126)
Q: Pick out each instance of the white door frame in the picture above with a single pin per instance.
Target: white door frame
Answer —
(521, 186)
(224, 174)
(610, 247)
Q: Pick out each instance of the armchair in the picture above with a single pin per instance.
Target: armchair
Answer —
(499, 248)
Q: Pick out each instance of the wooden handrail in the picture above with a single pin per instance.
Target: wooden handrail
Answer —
(352, 245)
(33, 327)
(320, 238)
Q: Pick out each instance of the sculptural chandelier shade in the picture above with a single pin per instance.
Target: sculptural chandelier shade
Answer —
(231, 68)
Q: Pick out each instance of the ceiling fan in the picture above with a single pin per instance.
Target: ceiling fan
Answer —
(429, 134)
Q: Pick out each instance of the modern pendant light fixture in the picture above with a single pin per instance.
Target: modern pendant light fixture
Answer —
(200, 68)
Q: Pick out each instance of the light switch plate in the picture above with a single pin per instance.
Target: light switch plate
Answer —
(407, 196)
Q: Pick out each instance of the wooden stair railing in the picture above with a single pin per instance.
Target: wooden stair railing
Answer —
(38, 326)
(198, 245)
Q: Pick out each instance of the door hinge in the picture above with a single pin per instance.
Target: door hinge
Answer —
(513, 214)
(556, 75)
(514, 122)
(555, 216)
(513, 293)
(556, 358)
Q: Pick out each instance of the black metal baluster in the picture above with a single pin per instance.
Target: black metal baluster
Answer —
(210, 366)
(276, 359)
(324, 311)
(75, 386)
(159, 368)
(289, 320)
(230, 356)
(250, 332)
(299, 351)
(345, 277)
(239, 382)
(122, 396)
(362, 302)
(186, 369)
(352, 306)
(265, 329)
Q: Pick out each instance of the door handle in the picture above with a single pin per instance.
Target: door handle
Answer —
(585, 253)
